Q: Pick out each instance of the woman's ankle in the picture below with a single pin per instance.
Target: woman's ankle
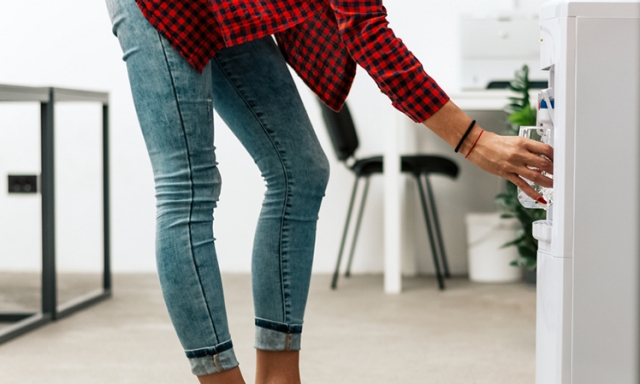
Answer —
(231, 376)
(277, 367)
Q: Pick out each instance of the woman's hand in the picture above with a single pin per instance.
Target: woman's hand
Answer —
(510, 157)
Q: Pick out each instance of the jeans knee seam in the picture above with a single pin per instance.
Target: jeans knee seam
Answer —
(285, 310)
(191, 184)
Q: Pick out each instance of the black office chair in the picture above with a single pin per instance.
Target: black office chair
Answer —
(345, 143)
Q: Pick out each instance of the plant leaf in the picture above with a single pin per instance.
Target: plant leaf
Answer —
(514, 242)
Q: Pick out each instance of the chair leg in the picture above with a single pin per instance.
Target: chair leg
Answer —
(334, 281)
(427, 219)
(358, 222)
(436, 222)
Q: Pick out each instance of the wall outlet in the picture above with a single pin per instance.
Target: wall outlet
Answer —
(23, 184)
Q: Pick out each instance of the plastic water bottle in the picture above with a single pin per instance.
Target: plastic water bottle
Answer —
(543, 132)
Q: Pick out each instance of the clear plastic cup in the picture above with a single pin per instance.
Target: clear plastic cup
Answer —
(544, 135)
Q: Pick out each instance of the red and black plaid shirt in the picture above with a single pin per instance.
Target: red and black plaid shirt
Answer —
(322, 40)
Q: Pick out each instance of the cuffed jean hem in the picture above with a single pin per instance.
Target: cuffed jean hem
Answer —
(205, 361)
(272, 336)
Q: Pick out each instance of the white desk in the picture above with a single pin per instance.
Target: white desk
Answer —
(403, 140)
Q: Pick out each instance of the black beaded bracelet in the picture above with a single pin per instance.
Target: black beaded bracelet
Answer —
(473, 123)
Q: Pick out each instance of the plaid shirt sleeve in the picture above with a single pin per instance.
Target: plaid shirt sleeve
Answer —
(373, 45)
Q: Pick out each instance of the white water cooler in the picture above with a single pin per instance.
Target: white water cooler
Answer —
(588, 299)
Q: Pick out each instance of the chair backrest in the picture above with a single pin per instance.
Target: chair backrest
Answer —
(341, 130)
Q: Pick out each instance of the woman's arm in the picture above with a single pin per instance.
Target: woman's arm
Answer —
(507, 156)
(398, 73)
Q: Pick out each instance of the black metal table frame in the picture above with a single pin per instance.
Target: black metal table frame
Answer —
(51, 311)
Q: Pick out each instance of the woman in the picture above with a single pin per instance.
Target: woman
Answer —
(185, 57)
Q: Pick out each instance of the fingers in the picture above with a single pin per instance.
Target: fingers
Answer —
(535, 163)
(539, 162)
(536, 176)
(524, 187)
(530, 165)
(540, 148)
(516, 159)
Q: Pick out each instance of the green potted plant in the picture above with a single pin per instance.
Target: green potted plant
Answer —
(521, 113)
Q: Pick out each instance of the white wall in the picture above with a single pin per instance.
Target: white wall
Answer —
(68, 43)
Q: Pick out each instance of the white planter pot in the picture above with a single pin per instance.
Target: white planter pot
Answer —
(488, 261)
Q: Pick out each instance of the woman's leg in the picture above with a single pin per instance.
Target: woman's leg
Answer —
(174, 107)
(256, 96)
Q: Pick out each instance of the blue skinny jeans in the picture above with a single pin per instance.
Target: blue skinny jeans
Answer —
(252, 90)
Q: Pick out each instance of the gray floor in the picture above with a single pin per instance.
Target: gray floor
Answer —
(470, 333)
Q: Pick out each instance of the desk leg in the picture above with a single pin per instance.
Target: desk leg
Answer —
(49, 289)
(106, 200)
(392, 212)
